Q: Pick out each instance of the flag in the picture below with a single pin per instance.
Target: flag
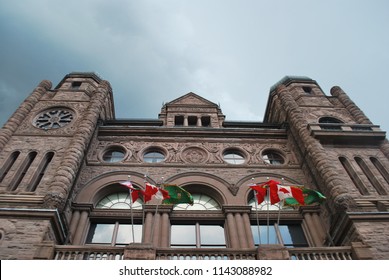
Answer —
(134, 192)
(177, 195)
(283, 192)
(262, 189)
(310, 197)
(260, 192)
(152, 191)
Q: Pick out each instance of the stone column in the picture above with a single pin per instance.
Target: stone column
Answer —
(232, 231)
(199, 121)
(73, 224)
(82, 223)
(185, 120)
(249, 234)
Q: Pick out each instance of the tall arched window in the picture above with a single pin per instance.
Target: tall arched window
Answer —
(40, 171)
(22, 170)
(370, 176)
(353, 176)
(381, 168)
(8, 164)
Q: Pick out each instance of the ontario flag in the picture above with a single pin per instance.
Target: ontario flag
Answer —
(280, 192)
(134, 192)
(152, 192)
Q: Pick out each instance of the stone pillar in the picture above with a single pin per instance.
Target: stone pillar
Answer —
(232, 231)
(73, 224)
(199, 121)
(82, 223)
(147, 226)
(165, 229)
(21, 113)
(185, 120)
(238, 226)
(249, 234)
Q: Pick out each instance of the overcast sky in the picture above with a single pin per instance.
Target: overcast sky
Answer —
(230, 52)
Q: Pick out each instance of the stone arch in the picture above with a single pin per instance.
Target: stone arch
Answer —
(96, 188)
(209, 184)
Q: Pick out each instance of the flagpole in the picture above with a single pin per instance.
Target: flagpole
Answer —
(155, 217)
(268, 210)
(131, 213)
(281, 205)
(256, 214)
(143, 212)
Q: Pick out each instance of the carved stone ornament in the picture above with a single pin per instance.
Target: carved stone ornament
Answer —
(53, 118)
(194, 155)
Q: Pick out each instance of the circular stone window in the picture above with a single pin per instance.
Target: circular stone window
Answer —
(53, 118)
(233, 157)
(114, 154)
(153, 156)
(273, 157)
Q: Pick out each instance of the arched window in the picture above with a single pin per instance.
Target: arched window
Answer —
(329, 123)
(370, 176)
(381, 168)
(200, 202)
(8, 164)
(40, 171)
(113, 231)
(194, 232)
(22, 170)
(353, 176)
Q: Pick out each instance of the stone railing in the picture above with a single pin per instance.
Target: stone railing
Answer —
(70, 252)
(139, 251)
(321, 253)
(205, 254)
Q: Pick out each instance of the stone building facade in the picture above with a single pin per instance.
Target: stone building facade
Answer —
(63, 155)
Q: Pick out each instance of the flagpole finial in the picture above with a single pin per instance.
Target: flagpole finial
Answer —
(267, 178)
(129, 176)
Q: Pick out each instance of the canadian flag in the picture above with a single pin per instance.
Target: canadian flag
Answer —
(282, 192)
(134, 192)
(152, 191)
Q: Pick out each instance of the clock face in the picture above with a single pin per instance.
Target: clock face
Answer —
(53, 118)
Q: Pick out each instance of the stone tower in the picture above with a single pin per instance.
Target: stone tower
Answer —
(345, 155)
(43, 145)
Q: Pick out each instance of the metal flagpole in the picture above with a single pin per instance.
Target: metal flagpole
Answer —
(132, 216)
(143, 213)
(155, 217)
(281, 205)
(256, 214)
(268, 210)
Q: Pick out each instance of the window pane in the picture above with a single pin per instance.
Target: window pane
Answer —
(183, 236)
(233, 158)
(113, 156)
(293, 235)
(212, 236)
(124, 236)
(100, 233)
(264, 232)
(153, 157)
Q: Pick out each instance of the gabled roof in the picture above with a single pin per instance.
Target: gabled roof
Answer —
(191, 99)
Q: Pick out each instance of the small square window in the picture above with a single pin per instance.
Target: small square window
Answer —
(76, 85)
(307, 90)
